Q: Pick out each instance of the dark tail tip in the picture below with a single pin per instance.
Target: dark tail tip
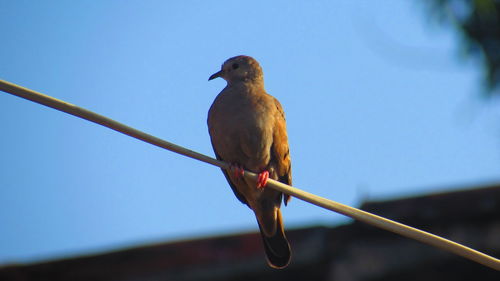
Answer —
(277, 248)
(281, 260)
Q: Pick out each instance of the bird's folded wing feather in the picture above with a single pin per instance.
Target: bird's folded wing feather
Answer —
(233, 187)
(280, 149)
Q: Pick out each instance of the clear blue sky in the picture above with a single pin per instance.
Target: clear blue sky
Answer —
(379, 105)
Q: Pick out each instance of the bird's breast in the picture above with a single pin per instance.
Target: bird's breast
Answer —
(242, 130)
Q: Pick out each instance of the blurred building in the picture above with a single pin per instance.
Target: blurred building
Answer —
(350, 252)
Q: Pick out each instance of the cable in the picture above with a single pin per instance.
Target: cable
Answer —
(354, 213)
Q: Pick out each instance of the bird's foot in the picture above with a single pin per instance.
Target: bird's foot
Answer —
(262, 179)
(237, 170)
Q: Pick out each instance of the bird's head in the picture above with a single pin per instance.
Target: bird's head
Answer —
(240, 68)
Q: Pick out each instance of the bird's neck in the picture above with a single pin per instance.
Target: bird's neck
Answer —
(247, 84)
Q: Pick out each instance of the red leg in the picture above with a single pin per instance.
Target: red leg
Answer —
(237, 170)
(262, 179)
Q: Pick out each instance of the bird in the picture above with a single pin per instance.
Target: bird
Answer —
(247, 129)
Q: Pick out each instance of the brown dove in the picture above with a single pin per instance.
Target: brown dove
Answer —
(248, 130)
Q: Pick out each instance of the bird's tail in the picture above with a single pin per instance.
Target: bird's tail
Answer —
(277, 247)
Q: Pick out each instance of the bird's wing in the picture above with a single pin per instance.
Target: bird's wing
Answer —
(233, 187)
(280, 152)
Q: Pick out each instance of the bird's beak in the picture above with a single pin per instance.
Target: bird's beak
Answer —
(215, 75)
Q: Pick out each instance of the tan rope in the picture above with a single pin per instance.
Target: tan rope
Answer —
(354, 213)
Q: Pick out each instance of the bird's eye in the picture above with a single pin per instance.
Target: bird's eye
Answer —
(235, 65)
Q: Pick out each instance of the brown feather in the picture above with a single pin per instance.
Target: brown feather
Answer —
(247, 127)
